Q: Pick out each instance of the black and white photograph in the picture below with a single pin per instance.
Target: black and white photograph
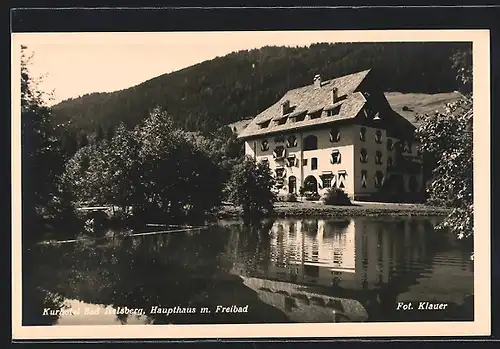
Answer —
(272, 178)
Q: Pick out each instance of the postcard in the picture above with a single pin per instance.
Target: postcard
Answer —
(250, 184)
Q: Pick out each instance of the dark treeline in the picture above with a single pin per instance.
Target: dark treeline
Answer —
(214, 93)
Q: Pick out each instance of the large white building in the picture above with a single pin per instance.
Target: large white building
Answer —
(338, 133)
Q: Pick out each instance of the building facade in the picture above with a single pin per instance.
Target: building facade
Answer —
(340, 133)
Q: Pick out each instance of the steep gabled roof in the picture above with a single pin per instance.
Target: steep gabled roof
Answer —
(312, 99)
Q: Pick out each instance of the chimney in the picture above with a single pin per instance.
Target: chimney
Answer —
(285, 106)
(317, 81)
(335, 94)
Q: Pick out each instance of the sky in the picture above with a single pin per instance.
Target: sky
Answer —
(76, 64)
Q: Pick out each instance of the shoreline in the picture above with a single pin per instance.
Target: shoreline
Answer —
(358, 209)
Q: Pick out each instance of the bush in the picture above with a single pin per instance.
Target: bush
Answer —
(291, 197)
(251, 186)
(335, 196)
(311, 196)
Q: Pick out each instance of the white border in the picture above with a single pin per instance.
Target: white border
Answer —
(482, 303)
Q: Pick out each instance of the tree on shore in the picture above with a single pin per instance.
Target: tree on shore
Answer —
(44, 198)
(447, 139)
(152, 171)
(251, 186)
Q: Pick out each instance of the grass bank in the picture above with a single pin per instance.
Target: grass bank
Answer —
(318, 209)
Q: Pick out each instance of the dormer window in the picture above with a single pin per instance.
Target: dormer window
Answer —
(264, 145)
(333, 111)
(291, 142)
(362, 134)
(334, 135)
(378, 137)
(335, 157)
(316, 115)
(300, 117)
(378, 157)
(279, 152)
(264, 124)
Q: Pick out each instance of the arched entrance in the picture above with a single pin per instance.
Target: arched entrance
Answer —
(292, 185)
(311, 184)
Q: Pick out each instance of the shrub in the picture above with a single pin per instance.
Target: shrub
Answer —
(335, 196)
(311, 196)
(291, 197)
(251, 186)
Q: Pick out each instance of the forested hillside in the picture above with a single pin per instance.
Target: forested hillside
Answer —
(235, 87)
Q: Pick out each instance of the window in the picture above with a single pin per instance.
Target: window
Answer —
(333, 111)
(280, 173)
(335, 157)
(327, 180)
(265, 161)
(311, 142)
(279, 152)
(390, 144)
(300, 117)
(304, 162)
(281, 121)
(378, 137)
(364, 174)
(314, 163)
(280, 182)
(315, 115)
(264, 124)
(264, 146)
(407, 147)
(334, 135)
(291, 142)
(362, 134)
(341, 180)
(291, 161)
(389, 162)
(292, 188)
(363, 156)
(378, 157)
(379, 179)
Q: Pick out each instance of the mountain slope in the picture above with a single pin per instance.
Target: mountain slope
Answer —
(228, 89)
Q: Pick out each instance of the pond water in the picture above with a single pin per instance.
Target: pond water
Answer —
(277, 271)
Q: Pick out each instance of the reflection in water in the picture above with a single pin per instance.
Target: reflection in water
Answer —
(285, 271)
